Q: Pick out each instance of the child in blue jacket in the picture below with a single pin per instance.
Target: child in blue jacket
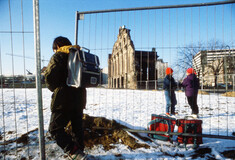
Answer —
(169, 85)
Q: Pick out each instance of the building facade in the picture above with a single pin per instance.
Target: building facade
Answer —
(128, 68)
(215, 67)
(161, 68)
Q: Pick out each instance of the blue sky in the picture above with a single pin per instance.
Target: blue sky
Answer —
(164, 29)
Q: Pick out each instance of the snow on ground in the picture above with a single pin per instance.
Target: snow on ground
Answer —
(132, 108)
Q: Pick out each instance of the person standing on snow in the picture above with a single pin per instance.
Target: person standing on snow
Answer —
(67, 103)
(169, 85)
(191, 85)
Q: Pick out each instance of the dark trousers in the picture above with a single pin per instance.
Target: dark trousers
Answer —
(58, 122)
(192, 101)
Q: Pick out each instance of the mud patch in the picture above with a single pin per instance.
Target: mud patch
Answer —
(203, 153)
(99, 130)
(229, 154)
(24, 138)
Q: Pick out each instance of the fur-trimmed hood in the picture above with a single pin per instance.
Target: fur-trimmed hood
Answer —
(65, 49)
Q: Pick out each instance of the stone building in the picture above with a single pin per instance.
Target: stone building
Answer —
(161, 68)
(128, 68)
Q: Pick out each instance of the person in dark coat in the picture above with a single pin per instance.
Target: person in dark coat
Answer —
(191, 85)
(169, 85)
(67, 103)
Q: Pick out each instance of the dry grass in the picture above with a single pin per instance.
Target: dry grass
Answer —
(203, 92)
(199, 92)
(229, 94)
(180, 91)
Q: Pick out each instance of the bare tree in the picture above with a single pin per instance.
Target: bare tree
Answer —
(186, 54)
(215, 68)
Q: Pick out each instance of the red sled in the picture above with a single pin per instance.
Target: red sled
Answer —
(189, 126)
(163, 124)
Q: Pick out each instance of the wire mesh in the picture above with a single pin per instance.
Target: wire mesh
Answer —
(17, 86)
(173, 32)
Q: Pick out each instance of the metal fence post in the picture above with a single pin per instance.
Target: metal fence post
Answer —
(38, 77)
(76, 29)
(78, 17)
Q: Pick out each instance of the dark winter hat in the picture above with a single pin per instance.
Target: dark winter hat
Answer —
(60, 42)
(169, 71)
(190, 71)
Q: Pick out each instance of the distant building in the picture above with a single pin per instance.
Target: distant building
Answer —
(215, 66)
(145, 69)
(161, 68)
(104, 76)
(128, 68)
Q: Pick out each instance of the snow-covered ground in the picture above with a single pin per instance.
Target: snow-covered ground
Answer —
(133, 108)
